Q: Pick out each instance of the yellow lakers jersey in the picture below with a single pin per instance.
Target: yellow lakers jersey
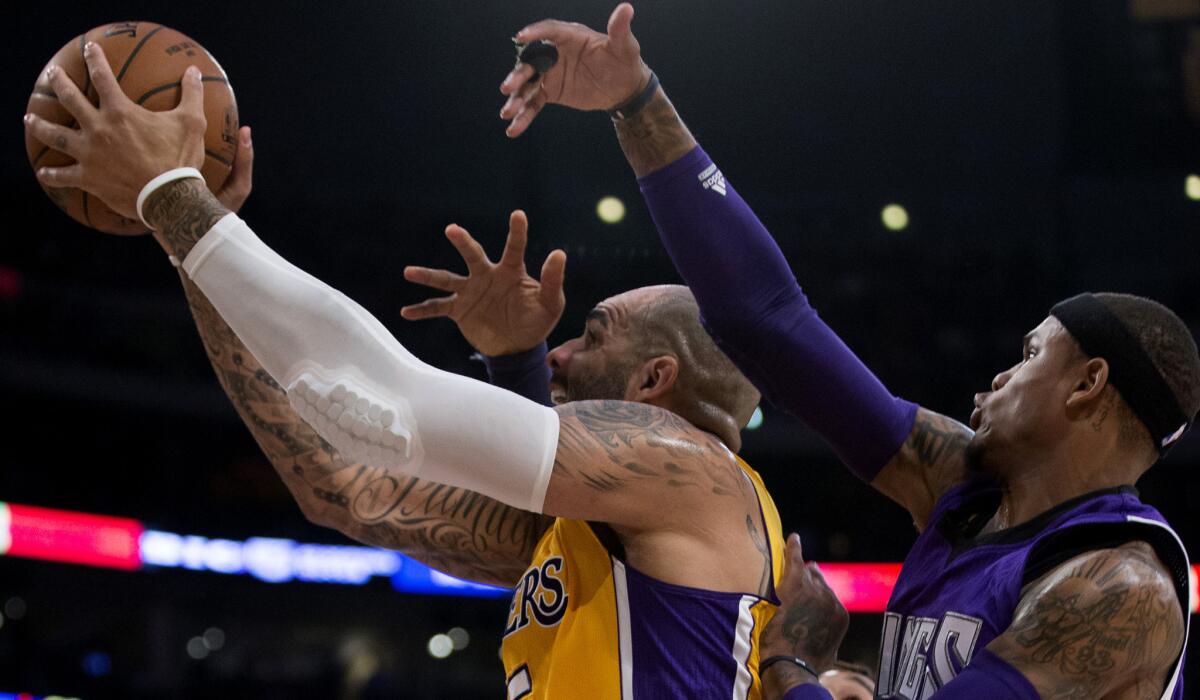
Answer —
(583, 624)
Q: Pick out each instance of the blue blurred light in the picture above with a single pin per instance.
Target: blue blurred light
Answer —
(96, 664)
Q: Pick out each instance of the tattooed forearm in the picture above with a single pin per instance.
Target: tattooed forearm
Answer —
(932, 459)
(782, 677)
(457, 531)
(182, 212)
(655, 136)
(1105, 620)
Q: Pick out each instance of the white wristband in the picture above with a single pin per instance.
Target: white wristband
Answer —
(169, 176)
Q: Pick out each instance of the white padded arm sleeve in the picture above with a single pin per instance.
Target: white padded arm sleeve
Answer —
(358, 388)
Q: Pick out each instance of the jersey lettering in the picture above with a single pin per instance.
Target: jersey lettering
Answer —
(927, 656)
(540, 596)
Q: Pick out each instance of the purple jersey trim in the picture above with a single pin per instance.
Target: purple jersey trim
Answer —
(808, 692)
(754, 309)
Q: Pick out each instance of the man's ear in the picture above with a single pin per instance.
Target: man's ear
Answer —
(654, 379)
(1088, 392)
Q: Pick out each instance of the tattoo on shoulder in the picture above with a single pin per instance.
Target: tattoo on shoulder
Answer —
(610, 444)
(1102, 620)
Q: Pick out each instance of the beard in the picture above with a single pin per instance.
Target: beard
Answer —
(607, 386)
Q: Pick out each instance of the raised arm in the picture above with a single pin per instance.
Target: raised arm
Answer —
(451, 529)
(748, 296)
(344, 373)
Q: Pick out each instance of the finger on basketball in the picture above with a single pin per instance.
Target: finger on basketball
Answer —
(58, 137)
(70, 97)
(430, 308)
(191, 99)
(470, 250)
(102, 76)
(67, 176)
(237, 188)
(516, 78)
(438, 279)
(518, 237)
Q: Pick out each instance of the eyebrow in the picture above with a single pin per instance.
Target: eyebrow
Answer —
(598, 315)
(1031, 335)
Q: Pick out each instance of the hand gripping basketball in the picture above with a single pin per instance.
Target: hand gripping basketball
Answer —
(119, 146)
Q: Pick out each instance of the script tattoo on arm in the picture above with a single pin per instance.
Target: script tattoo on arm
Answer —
(618, 462)
(1105, 623)
(454, 530)
(655, 136)
(182, 212)
(932, 459)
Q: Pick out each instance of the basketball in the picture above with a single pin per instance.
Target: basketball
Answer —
(148, 61)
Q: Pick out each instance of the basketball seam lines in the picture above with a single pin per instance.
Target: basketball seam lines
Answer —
(133, 54)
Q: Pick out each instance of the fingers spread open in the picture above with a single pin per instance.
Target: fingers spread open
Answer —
(60, 138)
(553, 272)
(518, 236)
(526, 115)
(102, 76)
(438, 279)
(553, 30)
(430, 308)
(470, 250)
(70, 97)
(516, 78)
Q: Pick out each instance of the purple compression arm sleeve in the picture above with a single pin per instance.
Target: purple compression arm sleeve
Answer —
(524, 373)
(754, 309)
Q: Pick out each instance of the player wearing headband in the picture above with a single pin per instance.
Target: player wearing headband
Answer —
(1037, 571)
(642, 551)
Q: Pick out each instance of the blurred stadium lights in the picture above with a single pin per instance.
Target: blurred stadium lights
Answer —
(31, 696)
(611, 210)
(1191, 187)
(756, 419)
(894, 217)
(98, 540)
(440, 646)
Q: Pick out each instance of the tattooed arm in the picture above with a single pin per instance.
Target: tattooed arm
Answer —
(1104, 624)
(453, 530)
(637, 466)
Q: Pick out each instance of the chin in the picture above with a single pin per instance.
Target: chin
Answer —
(978, 453)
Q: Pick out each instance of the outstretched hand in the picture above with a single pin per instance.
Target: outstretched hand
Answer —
(594, 70)
(498, 307)
(811, 621)
(119, 146)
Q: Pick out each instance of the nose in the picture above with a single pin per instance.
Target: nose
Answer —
(1001, 379)
(560, 357)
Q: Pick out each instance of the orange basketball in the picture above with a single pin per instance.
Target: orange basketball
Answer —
(148, 60)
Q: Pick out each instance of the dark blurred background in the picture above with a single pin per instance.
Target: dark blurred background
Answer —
(1039, 148)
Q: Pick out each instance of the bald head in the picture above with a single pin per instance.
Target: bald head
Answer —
(710, 392)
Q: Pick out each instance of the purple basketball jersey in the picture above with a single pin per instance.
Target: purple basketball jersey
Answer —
(958, 590)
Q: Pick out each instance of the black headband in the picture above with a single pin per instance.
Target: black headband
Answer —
(1101, 334)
